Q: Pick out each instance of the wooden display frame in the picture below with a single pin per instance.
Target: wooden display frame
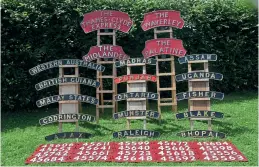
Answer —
(197, 104)
(138, 103)
(72, 88)
(99, 77)
(166, 101)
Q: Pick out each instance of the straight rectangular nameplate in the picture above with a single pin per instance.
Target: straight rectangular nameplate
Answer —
(148, 95)
(193, 114)
(135, 61)
(199, 94)
(136, 132)
(198, 75)
(201, 133)
(197, 57)
(134, 113)
(68, 135)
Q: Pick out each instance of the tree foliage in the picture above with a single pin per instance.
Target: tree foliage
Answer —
(38, 31)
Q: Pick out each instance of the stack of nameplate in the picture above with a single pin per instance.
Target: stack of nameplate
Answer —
(199, 95)
(136, 97)
(69, 97)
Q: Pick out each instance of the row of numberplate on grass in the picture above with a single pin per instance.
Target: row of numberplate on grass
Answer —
(141, 151)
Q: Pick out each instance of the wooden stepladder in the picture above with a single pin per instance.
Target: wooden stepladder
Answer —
(136, 103)
(69, 106)
(171, 73)
(136, 97)
(100, 78)
(163, 21)
(199, 94)
(103, 21)
(199, 104)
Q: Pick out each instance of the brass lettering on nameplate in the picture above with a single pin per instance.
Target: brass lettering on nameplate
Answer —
(198, 75)
(199, 94)
(53, 99)
(199, 114)
(56, 63)
(58, 117)
(148, 95)
(201, 133)
(68, 135)
(197, 57)
(135, 61)
(57, 81)
(136, 133)
(136, 113)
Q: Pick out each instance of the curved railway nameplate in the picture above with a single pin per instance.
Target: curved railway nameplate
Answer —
(56, 63)
(106, 19)
(53, 99)
(57, 117)
(122, 63)
(148, 95)
(57, 81)
(199, 94)
(201, 133)
(198, 75)
(138, 113)
(199, 114)
(68, 135)
(136, 133)
(105, 51)
(197, 57)
(162, 18)
(135, 77)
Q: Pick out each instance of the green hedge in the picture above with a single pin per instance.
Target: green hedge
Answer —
(39, 31)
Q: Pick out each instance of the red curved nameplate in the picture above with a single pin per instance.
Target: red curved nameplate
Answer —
(134, 77)
(162, 18)
(164, 46)
(105, 51)
(106, 19)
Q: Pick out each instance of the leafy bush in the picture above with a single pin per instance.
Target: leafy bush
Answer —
(34, 32)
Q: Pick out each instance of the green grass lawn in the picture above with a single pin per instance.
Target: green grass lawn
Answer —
(22, 134)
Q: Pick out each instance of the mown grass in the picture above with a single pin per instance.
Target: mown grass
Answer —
(22, 134)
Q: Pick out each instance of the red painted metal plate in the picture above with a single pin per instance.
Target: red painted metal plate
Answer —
(163, 46)
(161, 18)
(105, 51)
(106, 19)
(135, 77)
(137, 151)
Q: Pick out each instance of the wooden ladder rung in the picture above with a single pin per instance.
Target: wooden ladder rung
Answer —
(109, 101)
(105, 76)
(166, 89)
(106, 33)
(198, 80)
(162, 31)
(165, 74)
(105, 62)
(105, 91)
(143, 117)
(198, 99)
(166, 99)
(138, 81)
(167, 104)
(167, 59)
(198, 61)
(204, 118)
(105, 106)
(136, 99)
(137, 64)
